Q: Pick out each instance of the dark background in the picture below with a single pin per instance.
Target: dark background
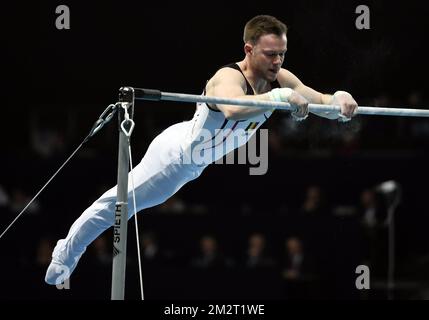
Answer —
(55, 83)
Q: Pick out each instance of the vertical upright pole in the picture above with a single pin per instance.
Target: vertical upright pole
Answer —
(126, 95)
(391, 253)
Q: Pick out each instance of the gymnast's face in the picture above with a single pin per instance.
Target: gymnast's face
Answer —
(266, 56)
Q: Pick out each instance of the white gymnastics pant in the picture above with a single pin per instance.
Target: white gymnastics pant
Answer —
(159, 175)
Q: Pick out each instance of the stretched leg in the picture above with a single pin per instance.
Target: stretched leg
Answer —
(159, 175)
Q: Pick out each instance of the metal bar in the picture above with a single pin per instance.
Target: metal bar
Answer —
(147, 94)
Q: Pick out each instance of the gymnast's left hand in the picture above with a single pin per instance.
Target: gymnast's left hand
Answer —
(348, 104)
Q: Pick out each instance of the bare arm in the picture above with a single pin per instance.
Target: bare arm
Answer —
(288, 79)
(230, 83)
(343, 99)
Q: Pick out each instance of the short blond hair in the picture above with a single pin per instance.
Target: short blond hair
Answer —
(262, 25)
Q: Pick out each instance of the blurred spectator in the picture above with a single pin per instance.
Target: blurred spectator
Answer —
(294, 258)
(47, 142)
(4, 198)
(257, 256)
(350, 142)
(297, 264)
(415, 99)
(374, 216)
(20, 199)
(102, 251)
(373, 212)
(43, 252)
(382, 100)
(369, 207)
(209, 255)
(298, 269)
(150, 248)
(314, 202)
(174, 205)
(275, 143)
(419, 129)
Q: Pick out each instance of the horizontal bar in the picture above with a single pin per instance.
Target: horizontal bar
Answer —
(150, 94)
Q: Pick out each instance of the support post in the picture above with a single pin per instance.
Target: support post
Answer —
(126, 95)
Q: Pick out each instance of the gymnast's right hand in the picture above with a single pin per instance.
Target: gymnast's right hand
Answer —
(292, 97)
